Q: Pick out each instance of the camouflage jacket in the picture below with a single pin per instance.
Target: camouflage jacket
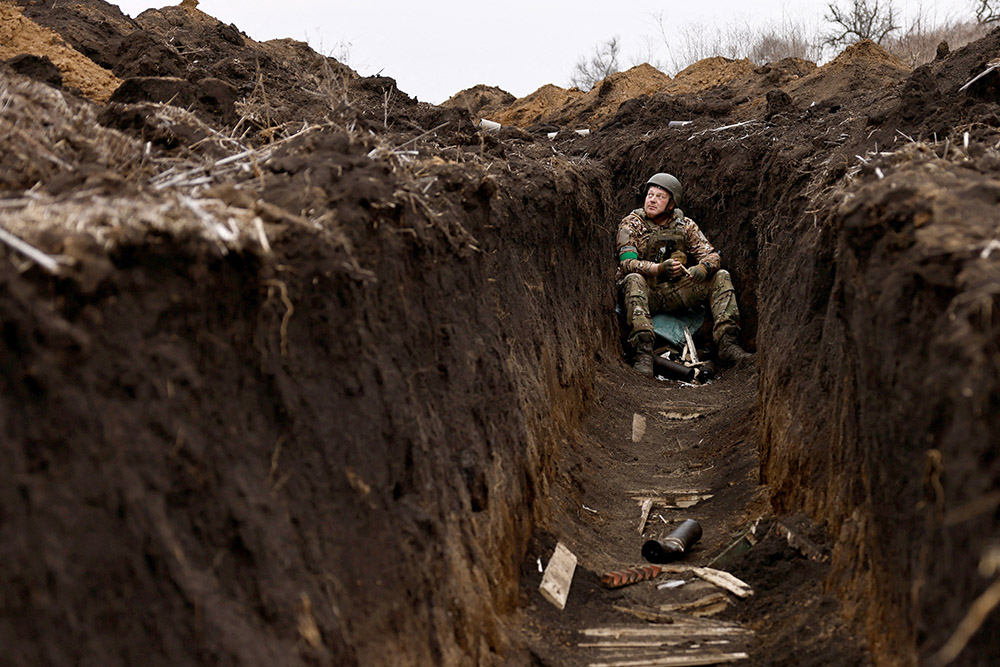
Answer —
(642, 243)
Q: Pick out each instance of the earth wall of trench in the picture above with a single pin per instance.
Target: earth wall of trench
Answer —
(333, 451)
(868, 288)
(875, 403)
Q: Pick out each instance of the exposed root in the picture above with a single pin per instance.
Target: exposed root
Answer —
(289, 309)
(980, 609)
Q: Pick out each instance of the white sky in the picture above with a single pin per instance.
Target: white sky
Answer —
(436, 49)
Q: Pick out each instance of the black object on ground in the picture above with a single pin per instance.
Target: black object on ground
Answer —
(674, 545)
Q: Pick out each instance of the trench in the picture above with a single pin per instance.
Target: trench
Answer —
(340, 450)
(347, 464)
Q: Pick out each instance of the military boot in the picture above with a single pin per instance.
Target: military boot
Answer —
(731, 352)
(643, 361)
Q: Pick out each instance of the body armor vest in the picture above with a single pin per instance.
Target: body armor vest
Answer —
(665, 241)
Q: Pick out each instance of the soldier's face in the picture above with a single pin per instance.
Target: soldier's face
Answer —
(657, 201)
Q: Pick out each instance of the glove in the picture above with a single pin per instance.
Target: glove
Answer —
(699, 272)
(679, 256)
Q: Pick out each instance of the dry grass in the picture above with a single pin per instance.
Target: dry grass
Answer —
(919, 44)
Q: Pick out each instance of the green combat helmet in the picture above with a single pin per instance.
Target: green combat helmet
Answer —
(668, 183)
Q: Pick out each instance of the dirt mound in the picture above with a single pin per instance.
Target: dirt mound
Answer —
(860, 69)
(551, 105)
(932, 105)
(269, 84)
(708, 73)
(20, 35)
(537, 107)
(480, 100)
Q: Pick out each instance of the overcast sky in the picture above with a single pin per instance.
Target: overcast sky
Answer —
(436, 49)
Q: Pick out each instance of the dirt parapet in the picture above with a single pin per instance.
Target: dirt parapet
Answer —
(20, 35)
(860, 69)
(551, 105)
(708, 73)
(480, 100)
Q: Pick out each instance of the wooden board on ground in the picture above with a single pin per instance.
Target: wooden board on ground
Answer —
(661, 492)
(691, 630)
(676, 661)
(708, 605)
(686, 641)
(638, 427)
(672, 502)
(724, 580)
(683, 416)
(558, 576)
(647, 504)
(647, 615)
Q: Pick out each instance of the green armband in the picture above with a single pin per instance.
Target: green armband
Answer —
(628, 252)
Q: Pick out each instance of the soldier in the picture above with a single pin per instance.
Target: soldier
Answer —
(666, 264)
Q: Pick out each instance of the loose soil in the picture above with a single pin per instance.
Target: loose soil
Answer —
(310, 372)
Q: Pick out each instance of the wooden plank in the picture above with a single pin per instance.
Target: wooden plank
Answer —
(645, 614)
(674, 502)
(638, 427)
(677, 661)
(706, 601)
(637, 644)
(678, 628)
(675, 415)
(647, 505)
(724, 580)
(665, 493)
(558, 576)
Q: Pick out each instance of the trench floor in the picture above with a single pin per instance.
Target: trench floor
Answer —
(685, 452)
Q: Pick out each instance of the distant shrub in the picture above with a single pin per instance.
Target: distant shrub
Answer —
(602, 63)
(760, 44)
(771, 45)
(918, 45)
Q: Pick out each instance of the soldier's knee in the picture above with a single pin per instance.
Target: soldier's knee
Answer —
(722, 279)
(635, 279)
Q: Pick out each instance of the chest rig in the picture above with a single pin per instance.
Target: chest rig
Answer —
(663, 242)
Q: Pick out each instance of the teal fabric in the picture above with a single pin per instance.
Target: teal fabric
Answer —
(670, 326)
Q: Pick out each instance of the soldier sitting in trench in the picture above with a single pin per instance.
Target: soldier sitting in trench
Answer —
(655, 244)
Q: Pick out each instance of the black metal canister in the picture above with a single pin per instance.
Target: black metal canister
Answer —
(674, 545)
(672, 369)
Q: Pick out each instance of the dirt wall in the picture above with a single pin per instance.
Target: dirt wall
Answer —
(326, 450)
(857, 227)
(879, 342)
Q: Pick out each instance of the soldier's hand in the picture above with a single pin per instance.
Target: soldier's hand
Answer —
(676, 269)
(698, 272)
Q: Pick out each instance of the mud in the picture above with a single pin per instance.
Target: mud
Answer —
(313, 372)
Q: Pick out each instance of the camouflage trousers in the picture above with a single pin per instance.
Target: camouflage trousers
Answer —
(645, 297)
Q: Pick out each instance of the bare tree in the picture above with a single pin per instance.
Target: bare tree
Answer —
(600, 65)
(859, 20)
(987, 11)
